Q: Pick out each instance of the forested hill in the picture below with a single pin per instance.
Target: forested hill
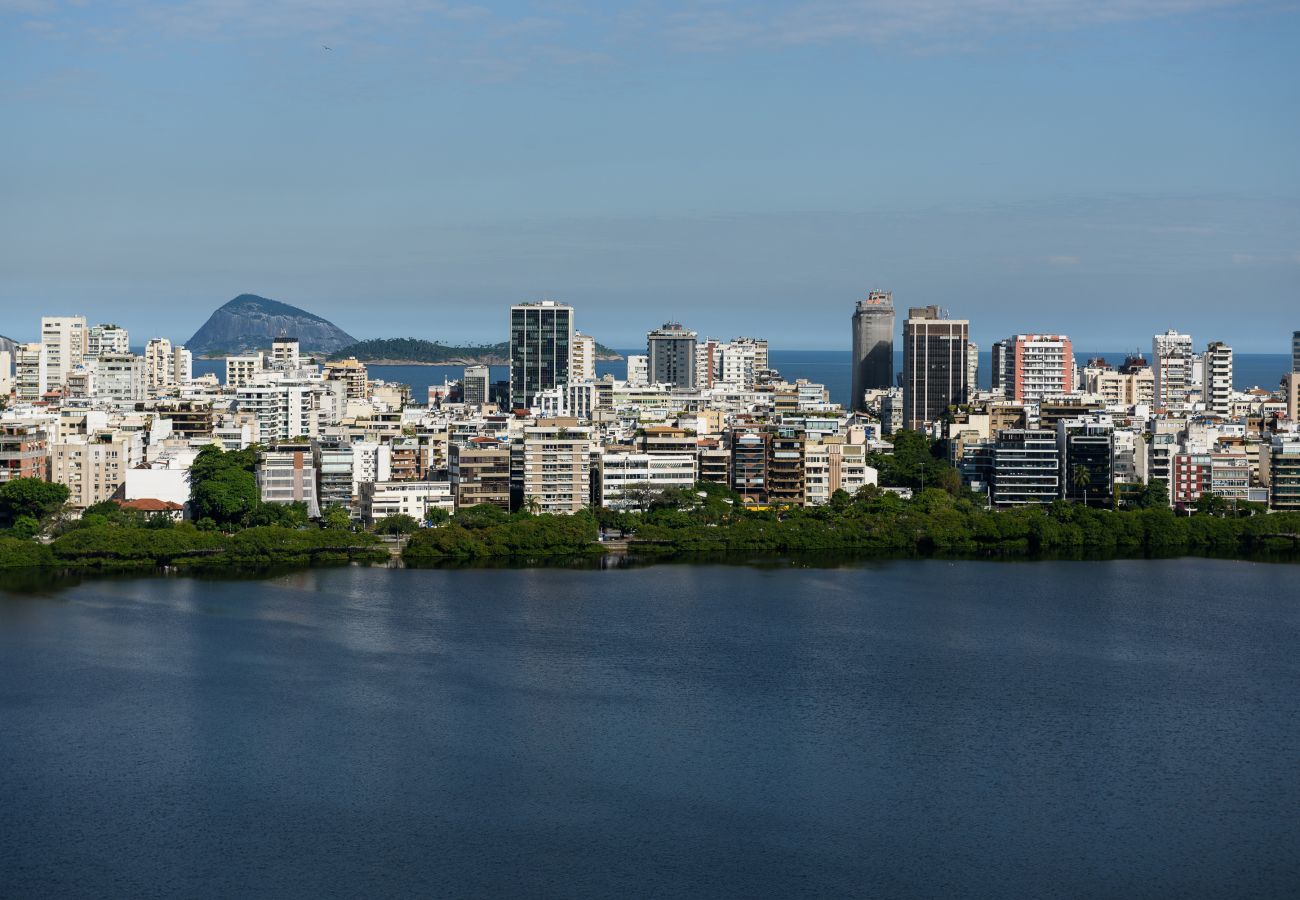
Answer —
(413, 350)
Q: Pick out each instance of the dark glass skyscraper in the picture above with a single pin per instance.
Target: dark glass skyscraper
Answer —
(873, 345)
(671, 355)
(541, 344)
(934, 365)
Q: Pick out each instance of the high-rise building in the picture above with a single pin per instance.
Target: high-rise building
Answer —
(102, 339)
(159, 363)
(972, 369)
(934, 365)
(638, 370)
(670, 352)
(285, 354)
(584, 358)
(1218, 378)
(1026, 468)
(1295, 351)
(1171, 362)
(354, 375)
(120, 376)
(541, 349)
(31, 371)
(740, 362)
(1029, 367)
(64, 338)
(873, 345)
(476, 385)
(557, 466)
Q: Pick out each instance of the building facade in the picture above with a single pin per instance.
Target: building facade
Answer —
(670, 355)
(934, 365)
(873, 346)
(541, 349)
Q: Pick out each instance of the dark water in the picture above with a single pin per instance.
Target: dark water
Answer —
(920, 729)
(828, 367)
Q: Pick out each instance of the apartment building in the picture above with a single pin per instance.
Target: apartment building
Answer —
(287, 474)
(624, 479)
(480, 473)
(556, 466)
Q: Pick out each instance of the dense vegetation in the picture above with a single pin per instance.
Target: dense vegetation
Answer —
(435, 352)
(482, 532)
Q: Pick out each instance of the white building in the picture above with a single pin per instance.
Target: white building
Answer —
(381, 499)
(94, 466)
(64, 338)
(584, 358)
(120, 377)
(291, 407)
(1218, 378)
(104, 339)
(638, 370)
(285, 355)
(1171, 363)
(240, 370)
(623, 475)
(371, 462)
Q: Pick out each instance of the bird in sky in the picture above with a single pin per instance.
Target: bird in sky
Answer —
(327, 48)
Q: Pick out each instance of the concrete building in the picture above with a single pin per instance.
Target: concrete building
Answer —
(333, 458)
(159, 364)
(31, 372)
(476, 385)
(1026, 468)
(786, 481)
(749, 460)
(873, 346)
(832, 465)
(480, 473)
(670, 352)
(1291, 395)
(1280, 471)
(64, 338)
(382, 499)
(287, 474)
(1172, 365)
(352, 373)
(24, 451)
(287, 407)
(638, 371)
(934, 365)
(1218, 378)
(94, 466)
(741, 362)
(541, 349)
(286, 355)
(584, 358)
(556, 466)
(1029, 367)
(105, 339)
(1087, 449)
(1295, 351)
(120, 377)
(1132, 384)
(624, 479)
(240, 370)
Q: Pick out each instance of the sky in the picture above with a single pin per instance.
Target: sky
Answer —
(1105, 169)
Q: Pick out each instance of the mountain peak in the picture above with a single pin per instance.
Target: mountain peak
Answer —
(250, 322)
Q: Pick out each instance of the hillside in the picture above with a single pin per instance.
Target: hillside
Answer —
(415, 351)
(250, 322)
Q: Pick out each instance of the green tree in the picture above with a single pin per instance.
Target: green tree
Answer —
(437, 515)
(31, 497)
(336, 516)
(398, 524)
(1080, 477)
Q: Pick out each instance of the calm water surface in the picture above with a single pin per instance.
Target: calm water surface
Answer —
(917, 728)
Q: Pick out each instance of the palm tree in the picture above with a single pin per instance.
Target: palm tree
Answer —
(1080, 477)
(533, 505)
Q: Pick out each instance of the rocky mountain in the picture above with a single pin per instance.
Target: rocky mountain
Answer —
(250, 322)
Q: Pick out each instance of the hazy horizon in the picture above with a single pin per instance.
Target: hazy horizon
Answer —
(1107, 170)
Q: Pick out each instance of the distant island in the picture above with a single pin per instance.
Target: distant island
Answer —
(415, 352)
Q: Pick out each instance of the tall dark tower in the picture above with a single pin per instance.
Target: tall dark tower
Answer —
(873, 345)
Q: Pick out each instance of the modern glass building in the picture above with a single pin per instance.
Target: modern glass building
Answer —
(541, 347)
(934, 365)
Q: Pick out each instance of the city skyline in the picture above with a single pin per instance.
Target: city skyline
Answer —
(1130, 162)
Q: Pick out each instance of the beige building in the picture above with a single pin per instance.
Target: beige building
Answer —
(832, 465)
(65, 340)
(480, 473)
(557, 466)
(584, 358)
(353, 374)
(95, 466)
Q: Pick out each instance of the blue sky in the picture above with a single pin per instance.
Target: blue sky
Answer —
(1106, 169)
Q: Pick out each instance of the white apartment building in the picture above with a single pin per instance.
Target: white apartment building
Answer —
(557, 466)
(622, 475)
(583, 367)
(287, 408)
(120, 377)
(371, 462)
(166, 365)
(740, 362)
(64, 338)
(1218, 378)
(240, 370)
(638, 370)
(6, 373)
(1172, 365)
(104, 339)
(285, 354)
(381, 499)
